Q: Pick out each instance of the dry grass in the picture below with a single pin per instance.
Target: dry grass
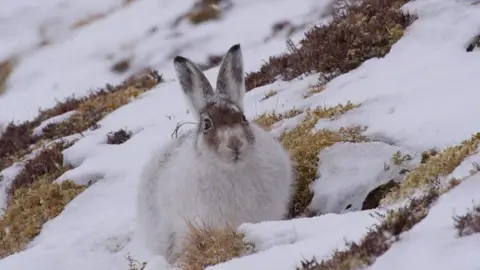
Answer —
(17, 138)
(468, 223)
(46, 164)
(269, 94)
(398, 158)
(314, 89)
(134, 264)
(92, 110)
(379, 238)
(6, 69)
(304, 144)
(31, 208)
(34, 199)
(441, 164)
(366, 30)
(428, 154)
(89, 20)
(209, 246)
(204, 13)
(266, 120)
(14, 143)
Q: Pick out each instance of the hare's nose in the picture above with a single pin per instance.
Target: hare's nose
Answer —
(234, 143)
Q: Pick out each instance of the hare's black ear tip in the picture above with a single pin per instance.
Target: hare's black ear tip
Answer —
(235, 48)
(179, 59)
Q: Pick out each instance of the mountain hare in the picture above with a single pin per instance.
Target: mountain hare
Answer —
(226, 172)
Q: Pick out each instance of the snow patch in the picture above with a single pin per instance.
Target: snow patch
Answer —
(349, 171)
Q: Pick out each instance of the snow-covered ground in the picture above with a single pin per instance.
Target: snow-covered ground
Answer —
(423, 94)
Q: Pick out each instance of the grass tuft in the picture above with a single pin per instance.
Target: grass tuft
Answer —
(30, 208)
(314, 89)
(365, 30)
(48, 163)
(266, 120)
(118, 137)
(427, 154)
(205, 10)
(379, 238)
(468, 223)
(34, 198)
(207, 246)
(435, 166)
(14, 143)
(268, 95)
(134, 264)
(121, 66)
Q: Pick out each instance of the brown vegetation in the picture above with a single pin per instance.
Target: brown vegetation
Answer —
(469, 223)
(18, 138)
(118, 137)
(379, 238)
(34, 199)
(366, 30)
(436, 164)
(209, 246)
(305, 143)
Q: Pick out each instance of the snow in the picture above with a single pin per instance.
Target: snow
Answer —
(433, 242)
(284, 244)
(427, 78)
(423, 94)
(349, 171)
(6, 180)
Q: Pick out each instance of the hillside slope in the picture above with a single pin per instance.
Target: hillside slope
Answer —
(421, 95)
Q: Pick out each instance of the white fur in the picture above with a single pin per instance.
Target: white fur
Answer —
(184, 180)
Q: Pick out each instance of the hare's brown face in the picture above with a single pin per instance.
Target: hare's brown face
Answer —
(222, 127)
(226, 131)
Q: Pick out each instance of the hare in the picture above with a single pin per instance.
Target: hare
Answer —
(226, 172)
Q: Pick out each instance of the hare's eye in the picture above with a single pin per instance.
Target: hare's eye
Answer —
(207, 124)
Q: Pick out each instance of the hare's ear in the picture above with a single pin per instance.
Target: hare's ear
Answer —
(193, 82)
(230, 80)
